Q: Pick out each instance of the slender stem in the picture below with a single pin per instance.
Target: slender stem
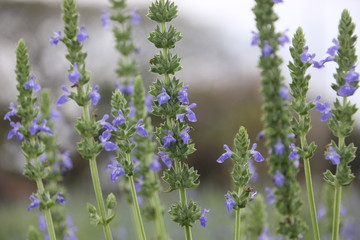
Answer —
(336, 214)
(136, 223)
(137, 208)
(99, 197)
(310, 191)
(48, 217)
(159, 221)
(237, 224)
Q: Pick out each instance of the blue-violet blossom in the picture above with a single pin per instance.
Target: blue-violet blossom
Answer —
(225, 155)
(185, 135)
(63, 98)
(183, 96)
(255, 40)
(120, 119)
(278, 178)
(35, 202)
(324, 108)
(135, 17)
(60, 198)
(108, 145)
(256, 155)
(163, 97)
(105, 18)
(294, 154)
(82, 36)
(117, 172)
(168, 139)
(165, 158)
(230, 202)
(284, 92)
(279, 147)
(347, 89)
(203, 218)
(56, 38)
(305, 56)
(283, 39)
(32, 84)
(266, 49)
(12, 112)
(15, 131)
(140, 130)
(155, 164)
(74, 75)
(333, 156)
(94, 95)
(270, 198)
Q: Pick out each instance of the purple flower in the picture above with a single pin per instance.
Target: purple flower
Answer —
(117, 170)
(135, 17)
(284, 92)
(74, 75)
(256, 155)
(42, 222)
(352, 76)
(321, 212)
(333, 156)
(139, 183)
(148, 102)
(279, 147)
(54, 114)
(165, 158)
(333, 49)
(261, 135)
(225, 155)
(324, 108)
(34, 127)
(190, 114)
(54, 40)
(94, 95)
(203, 218)
(347, 89)
(294, 154)
(163, 97)
(278, 178)
(185, 135)
(266, 49)
(320, 64)
(140, 130)
(278, 1)
(15, 131)
(120, 119)
(82, 36)
(35, 202)
(108, 145)
(230, 202)
(71, 229)
(255, 40)
(63, 98)
(183, 96)
(11, 113)
(107, 125)
(270, 196)
(254, 174)
(265, 232)
(32, 84)
(283, 39)
(66, 160)
(105, 18)
(155, 164)
(60, 198)
(168, 139)
(132, 112)
(305, 56)
(125, 89)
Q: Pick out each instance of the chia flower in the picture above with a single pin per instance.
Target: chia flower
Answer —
(155, 164)
(105, 124)
(132, 112)
(352, 76)
(168, 139)
(32, 84)
(203, 218)
(54, 114)
(82, 36)
(63, 98)
(270, 199)
(266, 49)
(294, 154)
(105, 18)
(148, 102)
(256, 155)
(305, 56)
(120, 119)
(12, 112)
(42, 222)
(15, 131)
(260, 136)
(165, 158)
(74, 75)
(117, 172)
(321, 63)
(54, 40)
(185, 135)
(190, 114)
(324, 108)
(253, 195)
(284, 92)
(163, 97)
(230, 202)
(125, 89)
(94, 95)
(278, 178)
(278, 1)
(255, 40)
(183, 95)
(135, 17)
(265, 232)
(71, 229)
(60, 198)
(279, 147)
(321, 212)
(347, 89)
(332, 50)
(225, 155)
(34, 127)
(140, 130)
(333, 156)
(139, 183)
(35, 203)
(283, 39)
(254, 174)
(108, 145)
(66, 160)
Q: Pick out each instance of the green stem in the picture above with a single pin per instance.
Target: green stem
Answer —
(310, 191)
(336, 214)
(99, 197)
(159, 220)
(237, 224)
(136, 223)
(140, 224)
(48, 217)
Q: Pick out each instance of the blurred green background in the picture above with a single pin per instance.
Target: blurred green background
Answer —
(223, 82)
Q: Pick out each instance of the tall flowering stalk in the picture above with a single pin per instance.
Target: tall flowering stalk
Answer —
(30, 130)
(276, 118)
(301, 122)
(341, 123)
(242, 193)
(84, 96)
(172, 104)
